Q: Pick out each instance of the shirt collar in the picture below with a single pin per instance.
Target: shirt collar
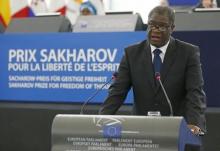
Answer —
(163, 48)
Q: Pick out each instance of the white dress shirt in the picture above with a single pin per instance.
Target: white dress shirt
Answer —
(163, 49)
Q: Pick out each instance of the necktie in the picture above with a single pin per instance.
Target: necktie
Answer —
(157, 60)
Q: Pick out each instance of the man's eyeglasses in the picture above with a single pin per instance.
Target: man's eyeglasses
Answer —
(159, 27)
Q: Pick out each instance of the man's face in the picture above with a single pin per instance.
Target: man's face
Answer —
(207, 3)
(85, 12)
(159, 29)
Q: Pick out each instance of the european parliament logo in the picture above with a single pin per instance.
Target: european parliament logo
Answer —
(112, 131)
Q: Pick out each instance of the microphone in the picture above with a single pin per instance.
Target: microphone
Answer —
(114, 76)
(157, 76)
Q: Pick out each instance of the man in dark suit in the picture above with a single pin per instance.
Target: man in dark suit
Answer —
(180, 72)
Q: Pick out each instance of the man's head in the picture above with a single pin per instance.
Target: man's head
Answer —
(87, 8)
(160, 25)
(207, 3)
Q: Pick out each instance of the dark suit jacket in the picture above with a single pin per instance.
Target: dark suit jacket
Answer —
(181, 75)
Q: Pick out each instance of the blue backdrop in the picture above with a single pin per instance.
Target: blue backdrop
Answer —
(183, 2)
(60, 67)
(71, 67)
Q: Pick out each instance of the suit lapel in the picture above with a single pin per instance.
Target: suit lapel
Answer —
(149, 66)
(168, 60)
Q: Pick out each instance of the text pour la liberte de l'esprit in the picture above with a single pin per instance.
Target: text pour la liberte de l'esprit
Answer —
(62, 59)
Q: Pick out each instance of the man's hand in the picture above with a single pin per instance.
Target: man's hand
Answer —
(194, 129)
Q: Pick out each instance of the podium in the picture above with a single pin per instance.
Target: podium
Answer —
(120, 133)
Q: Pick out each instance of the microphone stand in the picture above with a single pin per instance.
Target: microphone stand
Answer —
(96, 92)
(157, 76)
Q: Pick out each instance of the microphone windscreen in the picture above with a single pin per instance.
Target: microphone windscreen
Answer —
(157, 76)
(114, 75)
